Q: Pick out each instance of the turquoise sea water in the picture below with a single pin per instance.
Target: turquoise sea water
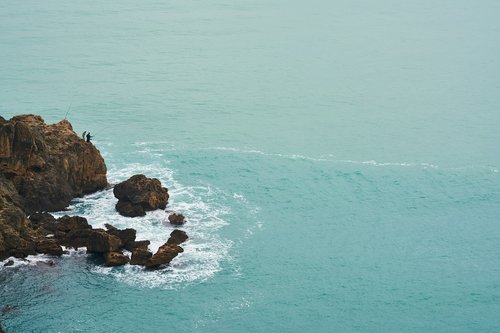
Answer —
(337, 161)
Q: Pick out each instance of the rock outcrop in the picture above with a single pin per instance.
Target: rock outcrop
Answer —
(167, 251)
(48, 165)
(42, 167)
(176, 219)
(139, 194)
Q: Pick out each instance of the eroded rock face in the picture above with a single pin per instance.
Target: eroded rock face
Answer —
(102, 242)
(48, 164)
(115, 259)
(164, 255)
(177, 237)
(139, 194)
(140, 256)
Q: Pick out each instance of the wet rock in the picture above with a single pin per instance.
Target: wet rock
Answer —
(140, 256)
(133, 245)
(115, 259)
(9, 263)
(128, 209)
(164, 255)
(76, 238)
(49, 246)
(139, 194)
(177, 237)
(176, 219)
(127, 236)
(102, 242)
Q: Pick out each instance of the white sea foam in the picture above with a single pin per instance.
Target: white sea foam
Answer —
(203, 252)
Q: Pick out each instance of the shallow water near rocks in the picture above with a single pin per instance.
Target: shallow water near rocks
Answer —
(337, 162)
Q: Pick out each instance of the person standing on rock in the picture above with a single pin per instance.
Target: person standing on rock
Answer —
(83, 135)
(89, 137)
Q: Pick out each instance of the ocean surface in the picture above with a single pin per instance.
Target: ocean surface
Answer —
(337, 161)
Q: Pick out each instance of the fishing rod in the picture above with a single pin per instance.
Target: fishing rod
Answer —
(67, 111)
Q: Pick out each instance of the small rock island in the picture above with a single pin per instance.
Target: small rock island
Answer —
(42, 168)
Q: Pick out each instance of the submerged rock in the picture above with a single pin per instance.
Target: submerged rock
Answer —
(9, 263)
(139, 194)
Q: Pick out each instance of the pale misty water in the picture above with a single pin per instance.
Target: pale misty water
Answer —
(337, 161)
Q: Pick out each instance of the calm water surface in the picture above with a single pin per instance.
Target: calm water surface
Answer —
(337, 161)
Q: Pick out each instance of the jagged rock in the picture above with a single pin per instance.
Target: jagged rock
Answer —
(69, 223)
(102, 242)
(17, 238)
(140, 256)
(127, 236)
(177, 237)
(49, 246)
(115, 259)
(40, 219)
(164, 255)
(139, 194)
(128, 209)
(76, 238)
(48, 164)
(176, 219)
(133, 245)
(9, 263)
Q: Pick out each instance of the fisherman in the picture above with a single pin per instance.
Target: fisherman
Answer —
(83, 135)
(89, 137)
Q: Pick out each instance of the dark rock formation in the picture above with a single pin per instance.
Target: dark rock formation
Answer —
(177, 237)
(140, 256)
(115, 259)
(49, 246)
(127, 236)
(133, 245)
(48, 164)
(9, 263)
(42, 167)
(139, 194)
(102, 242)
(164, 255)
(176, 219)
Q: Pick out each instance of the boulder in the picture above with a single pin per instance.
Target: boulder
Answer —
(127, 236)
(128, 209)
(48, 164)
(177, 237)
(140, 256)
(9, 263)
(139, 194)
(115, 259)
(176, 219)
(49, 246)
(102, 242)
(164, 255)
(133, 245)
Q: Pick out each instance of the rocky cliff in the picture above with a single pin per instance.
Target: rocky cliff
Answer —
(42, 167)
(48, 164)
